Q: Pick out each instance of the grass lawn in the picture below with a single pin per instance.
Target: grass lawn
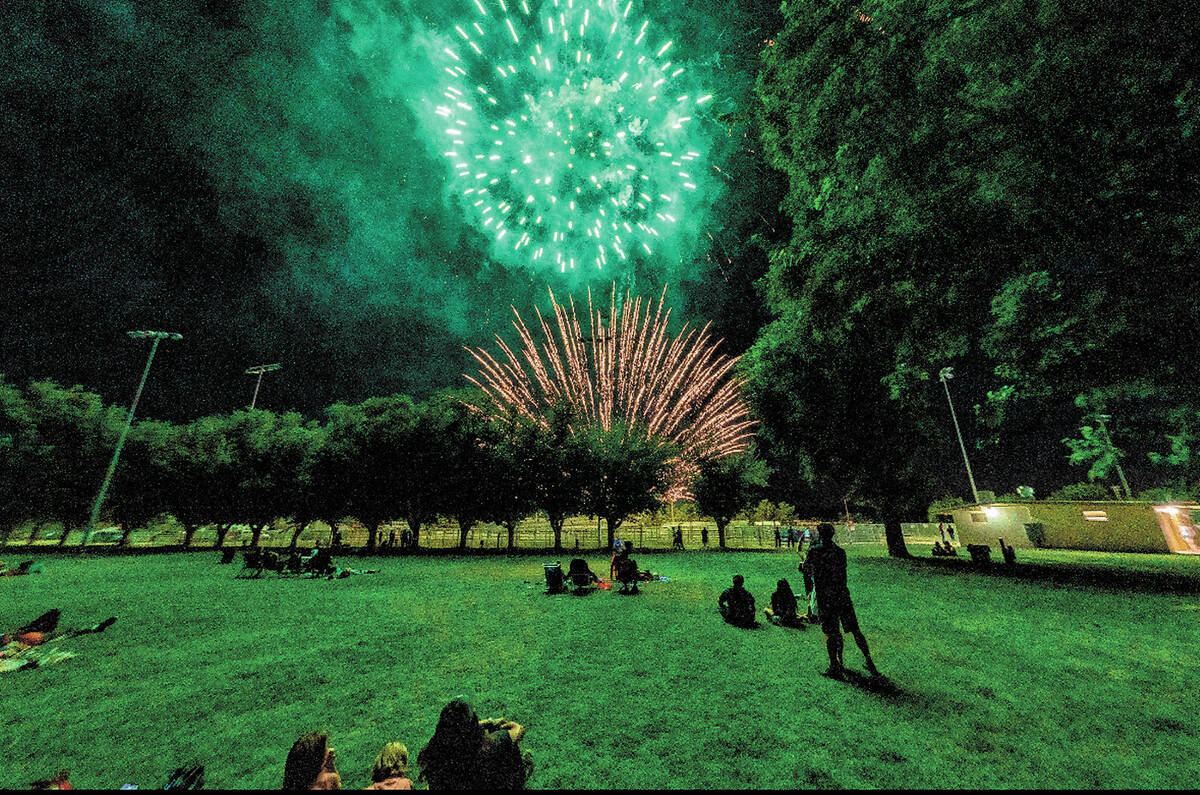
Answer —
(1081, 680)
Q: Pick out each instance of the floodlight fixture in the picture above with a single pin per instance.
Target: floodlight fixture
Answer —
(258, 370)
(157, 336)
(1101, 419)
(154, 335)
(944, 376)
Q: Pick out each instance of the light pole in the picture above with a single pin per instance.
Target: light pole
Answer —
(157, 336)
(944, 376)
(1101, 418)
(259, 370)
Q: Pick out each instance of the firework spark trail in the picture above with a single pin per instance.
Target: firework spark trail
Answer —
(629, 369)
(567, 129)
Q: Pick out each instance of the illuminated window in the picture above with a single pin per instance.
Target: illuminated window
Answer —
(978, 516)
(1095, 516)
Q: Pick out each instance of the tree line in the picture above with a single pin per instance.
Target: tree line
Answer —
(383, 460)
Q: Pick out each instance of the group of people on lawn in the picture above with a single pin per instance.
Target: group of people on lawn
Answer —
(317, 563)
(464, 753)
(824, 572)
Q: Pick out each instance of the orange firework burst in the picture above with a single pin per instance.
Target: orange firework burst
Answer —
(628, 369)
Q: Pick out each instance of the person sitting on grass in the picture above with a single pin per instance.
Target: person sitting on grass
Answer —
(827, 563)
(24, 567)
(311, 764)
(1010, 556)
(626, 571)
(736, 604)
(43, 628)
(783, 610)
(60, 780)
(390, 770)
(468, 753)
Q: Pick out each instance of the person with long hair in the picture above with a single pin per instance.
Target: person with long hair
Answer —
(783, 609)
(468, 753)
(311, 764)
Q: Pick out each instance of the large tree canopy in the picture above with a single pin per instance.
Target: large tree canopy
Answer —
(1008, 188)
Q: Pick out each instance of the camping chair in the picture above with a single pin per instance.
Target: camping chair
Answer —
(554, 578)
(253, 562)
(981, 554)
(272, 561)
(581, 575)
(292, 564)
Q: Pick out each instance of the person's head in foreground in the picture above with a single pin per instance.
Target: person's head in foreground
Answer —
(311, 764)
(825, 531)
(738, 580)
(391, 764)
(451, 752)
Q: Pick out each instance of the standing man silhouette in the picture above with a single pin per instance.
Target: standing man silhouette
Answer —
(826, 563)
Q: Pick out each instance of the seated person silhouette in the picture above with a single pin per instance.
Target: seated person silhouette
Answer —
(22, 568)
(783, 610)
(626, 572)
(1010, 556)
(736, 604)
(320, 563)
(580, 575)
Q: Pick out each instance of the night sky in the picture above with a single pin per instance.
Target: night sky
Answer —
(263, 179)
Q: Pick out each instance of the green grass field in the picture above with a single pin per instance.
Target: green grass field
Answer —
(1081, 676)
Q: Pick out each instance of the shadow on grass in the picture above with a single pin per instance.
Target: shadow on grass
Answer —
(891, 692)
(1092, 576)
(878, 685)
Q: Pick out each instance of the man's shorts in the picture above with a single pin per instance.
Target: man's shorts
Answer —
(838, 613)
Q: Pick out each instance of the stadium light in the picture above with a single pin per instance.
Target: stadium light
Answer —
(157, 336)
(258, 370)
(944, 376)
(1101, 419)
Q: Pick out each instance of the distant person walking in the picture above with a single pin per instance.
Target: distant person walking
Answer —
(826, 564)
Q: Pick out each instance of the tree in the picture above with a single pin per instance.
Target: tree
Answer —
(627, 471)
(557, 464)
(281, 448)
(726, 486)
(18, 440)
(75, 437)
(514, 460)
(375, 442)
(972, 185)
(469, 470)
(201, 477)
(143, 482)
